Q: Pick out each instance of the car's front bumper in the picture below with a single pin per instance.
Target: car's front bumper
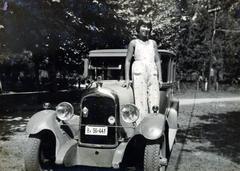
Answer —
(71, 154)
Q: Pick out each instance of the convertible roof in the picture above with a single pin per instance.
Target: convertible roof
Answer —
(118, 52)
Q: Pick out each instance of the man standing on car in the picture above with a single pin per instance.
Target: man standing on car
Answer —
(146, 70)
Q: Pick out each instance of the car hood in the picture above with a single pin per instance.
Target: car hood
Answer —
(125, 95)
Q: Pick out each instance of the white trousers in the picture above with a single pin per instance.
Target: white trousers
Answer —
(145, 87)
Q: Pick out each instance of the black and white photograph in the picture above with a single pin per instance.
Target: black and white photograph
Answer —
(119, 85)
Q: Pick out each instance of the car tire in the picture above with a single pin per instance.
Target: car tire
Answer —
(36, 157)
(152, 155)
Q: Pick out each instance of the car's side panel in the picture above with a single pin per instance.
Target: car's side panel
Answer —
(163, 101)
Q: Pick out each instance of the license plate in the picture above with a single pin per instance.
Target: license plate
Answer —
(96, 130)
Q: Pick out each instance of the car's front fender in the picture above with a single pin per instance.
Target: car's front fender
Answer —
(152, 127)
(45, 120)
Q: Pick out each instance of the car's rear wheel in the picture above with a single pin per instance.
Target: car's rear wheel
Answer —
(155, 156)
(39, 154)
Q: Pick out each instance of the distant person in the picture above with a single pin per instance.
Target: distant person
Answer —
(146, 70)
(200, 82)
(213, 78)
(21, 77)
(212, 75)
(43, 76)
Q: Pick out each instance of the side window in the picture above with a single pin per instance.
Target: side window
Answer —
(165, 67)
(168, 65)
(173, 71)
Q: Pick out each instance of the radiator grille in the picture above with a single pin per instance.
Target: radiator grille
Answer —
(99, 110)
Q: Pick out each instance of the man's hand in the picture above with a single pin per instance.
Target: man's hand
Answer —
(126, 84)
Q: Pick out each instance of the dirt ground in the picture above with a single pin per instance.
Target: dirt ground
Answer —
(208, 137)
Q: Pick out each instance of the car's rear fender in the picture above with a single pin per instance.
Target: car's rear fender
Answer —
(172, 113)
(45, 121)
(172, 119)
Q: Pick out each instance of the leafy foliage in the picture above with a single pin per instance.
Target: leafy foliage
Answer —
(63, 31)
(201, 43)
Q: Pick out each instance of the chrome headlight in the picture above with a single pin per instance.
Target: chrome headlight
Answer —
(64, 111)
(129, 113)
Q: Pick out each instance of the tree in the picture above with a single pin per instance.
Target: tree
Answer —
(207, 39)
(62, 31)
(162, 13)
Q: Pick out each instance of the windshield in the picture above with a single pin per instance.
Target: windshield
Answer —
(109, 68)
(112, 68)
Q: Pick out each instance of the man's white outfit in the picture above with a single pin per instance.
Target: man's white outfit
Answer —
(145, 78)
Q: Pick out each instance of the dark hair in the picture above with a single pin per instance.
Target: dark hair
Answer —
(143, 23)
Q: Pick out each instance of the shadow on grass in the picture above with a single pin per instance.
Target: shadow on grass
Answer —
(222, 130)
(12, 123)
(17, 108)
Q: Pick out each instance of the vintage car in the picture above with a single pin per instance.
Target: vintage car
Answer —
(102, 131)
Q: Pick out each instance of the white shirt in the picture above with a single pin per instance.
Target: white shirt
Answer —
(144, 51)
